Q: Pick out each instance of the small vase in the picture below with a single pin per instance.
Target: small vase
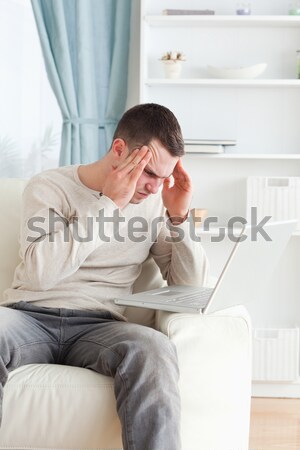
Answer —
(172, 68)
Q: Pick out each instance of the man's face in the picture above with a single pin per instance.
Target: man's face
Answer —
(160, 166)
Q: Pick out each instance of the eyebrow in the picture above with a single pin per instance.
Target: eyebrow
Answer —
(150, 171)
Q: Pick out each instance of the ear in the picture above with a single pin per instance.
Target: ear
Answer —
(119, 149)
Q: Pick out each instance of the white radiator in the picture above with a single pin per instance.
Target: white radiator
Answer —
(278, 197)
(275, 354)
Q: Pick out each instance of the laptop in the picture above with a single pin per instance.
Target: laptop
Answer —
(246, 272)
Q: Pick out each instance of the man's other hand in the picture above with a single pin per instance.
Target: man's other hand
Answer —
(177, 198)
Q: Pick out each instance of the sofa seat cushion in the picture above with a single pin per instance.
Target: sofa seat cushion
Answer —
(77, 403)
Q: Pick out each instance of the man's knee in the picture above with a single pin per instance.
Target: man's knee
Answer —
(151, 347)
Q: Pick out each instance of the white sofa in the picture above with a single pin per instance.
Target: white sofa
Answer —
(61, 407)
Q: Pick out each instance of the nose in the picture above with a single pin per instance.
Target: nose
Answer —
(153, 186)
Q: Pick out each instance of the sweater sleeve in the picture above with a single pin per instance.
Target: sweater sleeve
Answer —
(180, 255)
(54, 241)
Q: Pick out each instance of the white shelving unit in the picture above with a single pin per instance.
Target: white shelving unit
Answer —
(222, 20)
(271, 156)
(262, 115)
(185, 82)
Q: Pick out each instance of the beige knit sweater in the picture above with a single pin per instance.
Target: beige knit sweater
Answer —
(72, 256)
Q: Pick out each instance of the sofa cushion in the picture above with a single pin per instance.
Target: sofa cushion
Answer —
(61, 398)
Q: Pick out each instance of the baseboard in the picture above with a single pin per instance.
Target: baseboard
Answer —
(276, 389)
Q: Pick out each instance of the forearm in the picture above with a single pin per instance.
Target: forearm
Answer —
(180, 256)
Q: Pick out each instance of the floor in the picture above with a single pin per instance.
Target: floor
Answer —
(275, 424)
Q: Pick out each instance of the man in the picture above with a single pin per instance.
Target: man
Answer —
(75, 261)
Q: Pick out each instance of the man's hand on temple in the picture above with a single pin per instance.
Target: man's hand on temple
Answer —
(177, 198)
(120, 183)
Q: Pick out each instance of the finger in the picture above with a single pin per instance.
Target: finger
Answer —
(166, 185)
(143, 153)
(132, 162)
(138, 169)
(141, 157)
(128, 159)
(167, 182)
(183, 176)
(179, 167)
(179, 172)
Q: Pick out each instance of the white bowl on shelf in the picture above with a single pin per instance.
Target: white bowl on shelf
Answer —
(237, 72)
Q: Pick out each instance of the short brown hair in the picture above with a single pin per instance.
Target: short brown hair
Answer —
(143, 123)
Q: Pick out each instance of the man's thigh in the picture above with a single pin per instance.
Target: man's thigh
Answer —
(24, 339)
(105, 346)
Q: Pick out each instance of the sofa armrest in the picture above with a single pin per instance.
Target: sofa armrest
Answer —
(214, 353)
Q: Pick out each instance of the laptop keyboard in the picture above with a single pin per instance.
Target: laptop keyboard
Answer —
(199, 298)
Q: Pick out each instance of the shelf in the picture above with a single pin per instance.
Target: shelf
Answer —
(207, 82)
(288, 156)
(230, 20)
(215, 231)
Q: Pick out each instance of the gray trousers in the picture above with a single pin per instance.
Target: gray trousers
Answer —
(142, 361)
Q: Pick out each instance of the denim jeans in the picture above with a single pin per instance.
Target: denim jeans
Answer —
(142, 361)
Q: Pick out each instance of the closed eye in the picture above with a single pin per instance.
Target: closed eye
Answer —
(154, 175)
(150, 173)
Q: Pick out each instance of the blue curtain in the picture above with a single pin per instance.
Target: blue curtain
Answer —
(85, 44)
